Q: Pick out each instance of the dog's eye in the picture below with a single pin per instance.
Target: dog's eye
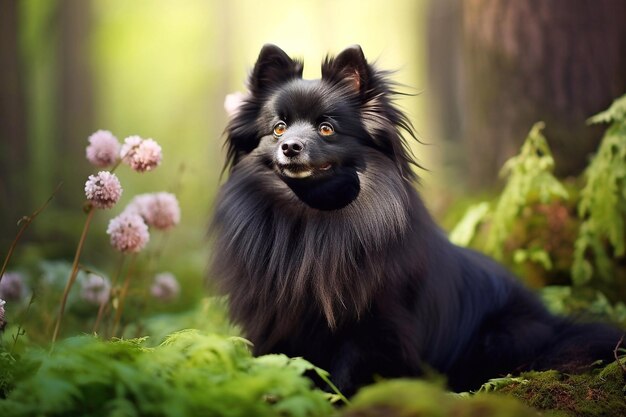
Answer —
(326, 129)
(279, 128)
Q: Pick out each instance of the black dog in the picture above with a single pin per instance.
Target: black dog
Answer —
(327, 252)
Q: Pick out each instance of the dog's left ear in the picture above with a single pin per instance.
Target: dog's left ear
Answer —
(350, 66)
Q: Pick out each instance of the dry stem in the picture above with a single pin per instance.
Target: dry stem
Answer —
(25, 222)
(621, 365)
(120, 306)
(74, 272)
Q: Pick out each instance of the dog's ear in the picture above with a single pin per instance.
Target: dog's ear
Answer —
(272, 68)
(350, 66)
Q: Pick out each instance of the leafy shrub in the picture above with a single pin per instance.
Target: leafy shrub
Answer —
(530, 180)
(549, 233)
(603, 201)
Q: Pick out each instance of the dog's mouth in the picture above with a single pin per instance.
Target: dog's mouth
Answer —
(322, 186)
(300, 171)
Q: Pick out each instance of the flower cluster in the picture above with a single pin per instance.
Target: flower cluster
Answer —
(95, 289)
(12, 286)
(129, 233)
(103, 149)
(165, 287)
(141, 154)
(103, 190)
(159, 210)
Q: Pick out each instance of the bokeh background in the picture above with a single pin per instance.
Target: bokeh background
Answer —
(479, 74)
(158, 69)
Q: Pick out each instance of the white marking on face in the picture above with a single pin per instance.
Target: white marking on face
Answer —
(297, 174)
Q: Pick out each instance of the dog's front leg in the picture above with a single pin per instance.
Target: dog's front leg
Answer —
(348, 368)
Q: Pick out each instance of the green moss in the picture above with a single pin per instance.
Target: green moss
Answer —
(600, 393)
(415, 398)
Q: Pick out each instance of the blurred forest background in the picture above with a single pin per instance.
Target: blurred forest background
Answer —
(482, 72)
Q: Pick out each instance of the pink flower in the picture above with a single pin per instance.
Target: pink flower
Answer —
(129, 233)
(131, 143)
(95, 289)
(165, 287)
(141, 154)
(233, 102)
(103, 190)
(2, 320)
(103, 149)
(159, 210)
(12, 286)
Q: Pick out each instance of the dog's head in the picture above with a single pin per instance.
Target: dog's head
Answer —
(314, 134)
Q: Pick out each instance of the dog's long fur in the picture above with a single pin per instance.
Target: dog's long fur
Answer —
(369, 286)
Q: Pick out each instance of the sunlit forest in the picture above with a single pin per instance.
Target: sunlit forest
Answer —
(519, 113)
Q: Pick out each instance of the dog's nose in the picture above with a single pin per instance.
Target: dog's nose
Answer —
(292, 147)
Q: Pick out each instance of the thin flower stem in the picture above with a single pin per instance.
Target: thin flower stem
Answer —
(120, 267)
(74, 272)
(99, 317)
(119, 161)
(116, 165)
(20, 329)
(25, 222)
(101, 309)
(150, 271)
(120, 306)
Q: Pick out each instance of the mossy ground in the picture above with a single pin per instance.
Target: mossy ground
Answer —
(599, 393)
(414, 398)
(549, 393)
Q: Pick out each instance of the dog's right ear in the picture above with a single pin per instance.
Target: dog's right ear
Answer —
(272, 68)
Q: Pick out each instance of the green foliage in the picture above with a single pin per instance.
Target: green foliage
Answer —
(530, 184)
(538, 225)
(188, 374)
(615, 113)
(465, 230)
(209, 316)
(496, 384)
(406, 398)
(536, 255)
(574, 301)
(530, 179)
(603, 201)
(7, 368)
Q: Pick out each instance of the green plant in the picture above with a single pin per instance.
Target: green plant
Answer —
(188, 374)
(603, 201)
(530, 179)
(7, 365)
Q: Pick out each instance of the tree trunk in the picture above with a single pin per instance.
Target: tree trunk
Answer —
(13, 143)
(559, 61)
(75, 110)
